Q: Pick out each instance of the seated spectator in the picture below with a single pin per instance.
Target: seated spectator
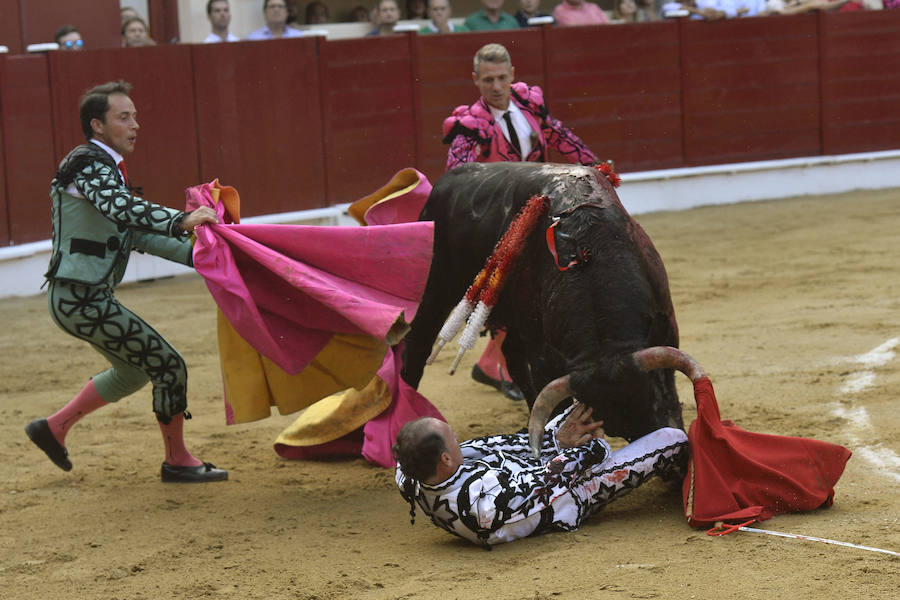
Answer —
(387, 13)
(219, 14)
(416, 9)
(891, 4)
(648, 10)
(128, 12)
(317, 13)
(440, 12)
(275, 13)
(293, 10)
(714, 10)
(136, 34)
(625, 11)
(491, 16)
(360, 14)
(527, 10)
(578, 12)
(68, 38)
(798, 7)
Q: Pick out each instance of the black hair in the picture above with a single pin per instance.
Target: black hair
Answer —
(95, 103)
(210, 3)
(65, 30)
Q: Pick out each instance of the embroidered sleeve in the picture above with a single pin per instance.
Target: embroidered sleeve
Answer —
(99, 184)
(566, 143)
(463, 149)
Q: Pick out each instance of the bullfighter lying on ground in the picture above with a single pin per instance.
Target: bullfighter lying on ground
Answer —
(492, 490)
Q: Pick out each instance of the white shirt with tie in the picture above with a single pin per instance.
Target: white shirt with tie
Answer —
(523, 129)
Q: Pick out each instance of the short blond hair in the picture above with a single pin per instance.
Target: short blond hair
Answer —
(492, 53)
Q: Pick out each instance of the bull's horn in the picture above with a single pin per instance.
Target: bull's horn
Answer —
(553, 393)
(667, 357)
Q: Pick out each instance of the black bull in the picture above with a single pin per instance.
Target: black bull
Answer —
(585, 321)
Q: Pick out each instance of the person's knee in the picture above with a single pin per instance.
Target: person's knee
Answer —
(115, 384)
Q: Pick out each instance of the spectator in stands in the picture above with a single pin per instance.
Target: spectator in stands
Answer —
(527, 10)
(388, 15)
(625, 11)
(491, 16)
(714, 10)
(317, 13)
(136, 34)
(128, 12)
(360, 15)
(293, 9)
(891, 4)
(68, 38)
(578, 12)
(416, 9)
(797, 7)
(648, 10)
(275, 13)
(440, 12)
(219, 14)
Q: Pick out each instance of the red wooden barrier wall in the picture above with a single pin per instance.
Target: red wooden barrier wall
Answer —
(98, 21)
(259, 123)
(298, 124)
(28, 146)
(10, 26)
(620, 92)
(165, 160)
(751, 91)
(368, 112)
(860, 82)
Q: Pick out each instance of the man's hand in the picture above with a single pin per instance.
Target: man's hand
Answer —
(578, 428)
(202, 215)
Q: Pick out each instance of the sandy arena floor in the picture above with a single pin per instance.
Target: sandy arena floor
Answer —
(793, 307)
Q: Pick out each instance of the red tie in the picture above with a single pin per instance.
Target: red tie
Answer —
(124, 172)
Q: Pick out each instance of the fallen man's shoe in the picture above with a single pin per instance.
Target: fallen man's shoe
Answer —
(39, 433)
(199, 474)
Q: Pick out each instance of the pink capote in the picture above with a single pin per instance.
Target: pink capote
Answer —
(288, 288)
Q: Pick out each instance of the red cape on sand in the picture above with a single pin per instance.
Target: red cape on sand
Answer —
(737, 475)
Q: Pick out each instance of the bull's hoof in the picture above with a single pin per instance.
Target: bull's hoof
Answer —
(508, 388)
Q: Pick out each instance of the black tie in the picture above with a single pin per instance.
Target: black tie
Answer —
(513, 136)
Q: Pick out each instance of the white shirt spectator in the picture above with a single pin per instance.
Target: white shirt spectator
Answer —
(263, 33)
(212, 38)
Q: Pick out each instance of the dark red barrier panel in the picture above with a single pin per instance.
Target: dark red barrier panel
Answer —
(445, 80)
(751, 89)
(620, 91)
(4, 206)
(11, 26)
(369, 114)
(98, 21)
(165, 160)
(861, 87)
(28, 146)
(259, 122)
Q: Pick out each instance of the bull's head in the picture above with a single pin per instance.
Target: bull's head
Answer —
(646, 360)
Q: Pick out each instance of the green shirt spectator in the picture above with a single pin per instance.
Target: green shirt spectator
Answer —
(491, 17)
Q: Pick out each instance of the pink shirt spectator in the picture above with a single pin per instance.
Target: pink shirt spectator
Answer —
(587, 13)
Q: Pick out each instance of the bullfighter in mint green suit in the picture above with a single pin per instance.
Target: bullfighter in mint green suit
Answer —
(97, 222)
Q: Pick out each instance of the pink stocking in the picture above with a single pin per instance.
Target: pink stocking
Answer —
(84, 403)
(177, 454)
(492, 361)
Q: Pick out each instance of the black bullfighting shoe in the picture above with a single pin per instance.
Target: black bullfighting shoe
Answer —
(39, 433)
(199, 474)
(509, 389)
